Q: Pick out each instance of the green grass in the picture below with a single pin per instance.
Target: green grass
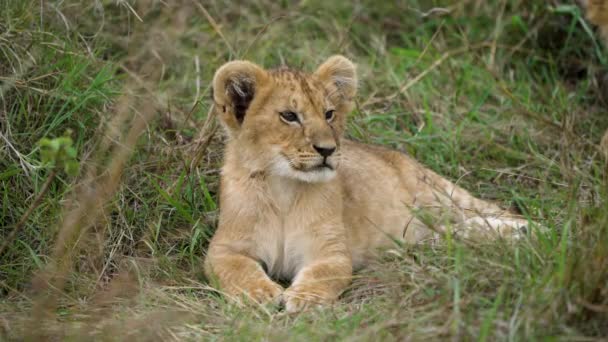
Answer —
(512, 108)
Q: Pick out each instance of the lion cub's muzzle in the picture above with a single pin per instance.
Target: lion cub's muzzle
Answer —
(316, 162)
(325, 160)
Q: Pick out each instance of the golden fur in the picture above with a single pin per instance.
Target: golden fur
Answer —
(289, 212)
(597, 13)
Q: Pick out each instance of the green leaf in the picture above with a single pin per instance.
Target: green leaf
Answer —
(72, 167)
(59, 153)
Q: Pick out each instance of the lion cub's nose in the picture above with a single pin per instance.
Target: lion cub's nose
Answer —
(324, 151)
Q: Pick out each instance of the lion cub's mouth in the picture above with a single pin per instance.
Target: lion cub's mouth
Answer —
(321, 167)
(310, 170)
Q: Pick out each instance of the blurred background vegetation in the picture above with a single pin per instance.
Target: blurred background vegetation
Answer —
(508, 97)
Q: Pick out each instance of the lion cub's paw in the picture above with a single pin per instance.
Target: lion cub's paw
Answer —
(263, 292)
(302, 298)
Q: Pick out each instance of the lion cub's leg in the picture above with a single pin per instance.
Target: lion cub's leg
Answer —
(241, 276)
(320, 282)
(471, 216)
(484, 226)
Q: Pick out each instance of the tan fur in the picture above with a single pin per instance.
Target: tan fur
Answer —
(312, 224)
(597, 13)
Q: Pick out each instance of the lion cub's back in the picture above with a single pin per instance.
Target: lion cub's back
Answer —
(377, 197)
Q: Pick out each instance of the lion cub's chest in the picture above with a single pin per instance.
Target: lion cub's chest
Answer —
(282, 238)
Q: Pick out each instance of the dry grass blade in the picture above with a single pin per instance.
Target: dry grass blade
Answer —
(497, 31)
(86, 207)
(260, 34)
(445, 56)
(215, 26)
(604, 145)
(597, 13)
(205, 137)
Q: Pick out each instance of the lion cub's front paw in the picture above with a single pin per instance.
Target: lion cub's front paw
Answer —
(262, 292)
(300, 298)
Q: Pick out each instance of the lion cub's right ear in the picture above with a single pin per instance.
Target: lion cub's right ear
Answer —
(235, 85)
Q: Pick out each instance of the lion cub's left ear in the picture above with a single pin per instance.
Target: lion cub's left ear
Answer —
(339, 75)
(235, 85)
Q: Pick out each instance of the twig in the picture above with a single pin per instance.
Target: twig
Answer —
(214, 25)
(531, 33)
(26, 215)
(604, 146)
(128, 6)
(504, 172)
(497, 33)
(260, 33)
(428, 45)
(440, 11)
(25, 165)
(446, 55)
(205, 136)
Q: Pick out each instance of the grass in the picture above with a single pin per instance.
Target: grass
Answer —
(507, 97)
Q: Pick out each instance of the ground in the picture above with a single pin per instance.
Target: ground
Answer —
(104, 236)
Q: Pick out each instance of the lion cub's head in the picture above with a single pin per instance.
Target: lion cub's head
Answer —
(285, 122)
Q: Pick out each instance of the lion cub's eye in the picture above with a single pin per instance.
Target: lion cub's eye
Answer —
(329, 115)
(289, 117)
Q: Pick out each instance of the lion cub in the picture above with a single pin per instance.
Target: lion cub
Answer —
(300, 202)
